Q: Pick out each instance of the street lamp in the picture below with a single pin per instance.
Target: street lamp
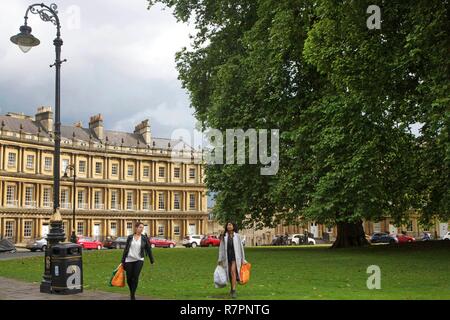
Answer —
(25, 40)
(73, 237)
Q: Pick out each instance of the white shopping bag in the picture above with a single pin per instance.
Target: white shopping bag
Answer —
(220, 277)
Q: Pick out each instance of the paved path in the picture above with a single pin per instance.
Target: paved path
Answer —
(11, 289)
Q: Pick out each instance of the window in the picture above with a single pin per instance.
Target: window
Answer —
(129, 200)
(176, 201)
(82, 167)
(11, 159)
(65, 164)
(9, 229)
(114, 169)
(29, 196)
(113, 229)
(162, 172)
(114, 200)
(176, 230)
(80, 228)
(27, 229)
(409, 226)
(160, 231)
(176, 172)
(65, 198)
(98, 168)
(161, 204)
(191, 173)
(98, 200)
(47, 163)
(47, 197)
(30, 161)
(129, 228)
(192, 201)
(11, 196)
(81, 204)
(130, 171)
(146, 201)
(146, 171)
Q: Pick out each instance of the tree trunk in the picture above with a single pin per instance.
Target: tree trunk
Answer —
(350, 235)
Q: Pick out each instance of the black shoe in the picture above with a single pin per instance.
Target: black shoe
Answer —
(133, 297)
(233, 294)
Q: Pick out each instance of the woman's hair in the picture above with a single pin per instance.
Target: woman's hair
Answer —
(225, 230)
(137, 224)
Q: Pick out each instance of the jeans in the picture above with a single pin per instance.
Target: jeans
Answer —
(133, 269)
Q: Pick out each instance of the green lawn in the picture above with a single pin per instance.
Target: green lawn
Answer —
(418, 272)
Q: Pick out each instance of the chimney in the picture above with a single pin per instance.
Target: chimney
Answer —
(143, 129)
(96, 124)
(44, 117)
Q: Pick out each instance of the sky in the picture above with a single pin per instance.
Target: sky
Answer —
(120, 63)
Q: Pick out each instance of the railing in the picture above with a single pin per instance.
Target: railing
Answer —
(30, 203)
(83, 206)
(147, 207)
(99, 206)
(66, 205)
(47, 204)
(12, 203)
(115, 206)
(131, 207)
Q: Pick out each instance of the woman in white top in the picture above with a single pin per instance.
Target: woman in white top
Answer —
(133, 257)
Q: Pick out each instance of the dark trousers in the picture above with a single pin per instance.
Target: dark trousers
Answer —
(133, 269)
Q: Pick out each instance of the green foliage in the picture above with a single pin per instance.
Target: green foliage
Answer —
(277, 273)
(343, 97)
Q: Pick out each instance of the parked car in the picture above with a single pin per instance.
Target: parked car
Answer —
(446, 237)
(280, 241)
(383, 237)
(192, 240)
(7, 246)
(210, 241)
(37, 244)
(89, 243)
(108, 242)
(426, 236)
(119, 243)
(404, 238)
(297, 239)
(161, 242)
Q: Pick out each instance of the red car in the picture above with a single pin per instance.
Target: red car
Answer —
(161, 243)
(403, 238)
(210, 241)
(89, 243)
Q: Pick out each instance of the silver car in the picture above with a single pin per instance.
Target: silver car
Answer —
(37, 244)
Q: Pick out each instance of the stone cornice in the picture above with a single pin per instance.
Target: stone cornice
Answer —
(100, 182)
(102, 150)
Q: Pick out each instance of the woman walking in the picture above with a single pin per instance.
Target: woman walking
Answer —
(231, 255)
(133, 257)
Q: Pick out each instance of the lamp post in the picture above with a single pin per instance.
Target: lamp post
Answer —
(25, 40)
(73, 237)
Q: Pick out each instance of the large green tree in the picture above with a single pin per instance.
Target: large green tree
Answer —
(343, 97)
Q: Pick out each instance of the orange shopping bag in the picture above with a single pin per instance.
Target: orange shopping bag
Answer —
(118, 277)
(244, 274)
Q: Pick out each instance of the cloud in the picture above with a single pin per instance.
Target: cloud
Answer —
(121, 63)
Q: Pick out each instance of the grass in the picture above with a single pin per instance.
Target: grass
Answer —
(407, 272)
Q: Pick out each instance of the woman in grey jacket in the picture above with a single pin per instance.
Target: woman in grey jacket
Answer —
(231, 255)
